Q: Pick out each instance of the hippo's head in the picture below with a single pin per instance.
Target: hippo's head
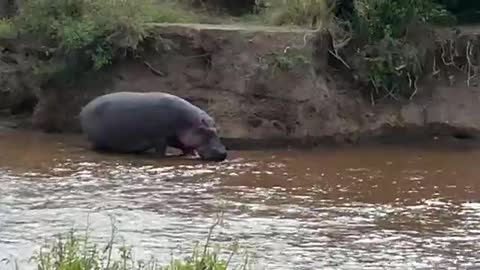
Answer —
(203, 137)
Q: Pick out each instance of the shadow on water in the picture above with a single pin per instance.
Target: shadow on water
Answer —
(347, 208)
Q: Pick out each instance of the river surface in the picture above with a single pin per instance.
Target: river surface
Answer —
(380, 207)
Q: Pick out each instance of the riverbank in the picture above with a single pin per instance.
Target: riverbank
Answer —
(265, 86)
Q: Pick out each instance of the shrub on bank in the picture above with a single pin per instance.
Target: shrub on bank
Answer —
(379, 43)
(81, 35)
(307, 13)
(466, 11)
(232, 7)
(7, 29)
(378, 34)
(382, 32)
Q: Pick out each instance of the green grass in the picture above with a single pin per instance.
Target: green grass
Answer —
(92, 34)
(384, 31)
(79, 36)
(7, 29)
(169, 11)
(306, 13)
(75, 251)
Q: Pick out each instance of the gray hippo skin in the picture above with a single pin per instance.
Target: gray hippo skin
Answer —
(132, 122)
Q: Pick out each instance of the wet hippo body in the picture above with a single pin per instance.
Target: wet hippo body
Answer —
(132, 122)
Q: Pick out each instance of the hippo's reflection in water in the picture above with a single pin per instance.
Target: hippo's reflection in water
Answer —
(345, 209)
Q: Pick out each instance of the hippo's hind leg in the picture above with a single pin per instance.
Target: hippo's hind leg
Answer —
(188, 152)
(99, 145)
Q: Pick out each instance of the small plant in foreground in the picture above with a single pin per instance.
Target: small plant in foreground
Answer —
(75, 252)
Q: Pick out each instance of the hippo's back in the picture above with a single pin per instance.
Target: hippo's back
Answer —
(128, 119)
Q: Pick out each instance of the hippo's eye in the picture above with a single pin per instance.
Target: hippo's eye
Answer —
(208, 122)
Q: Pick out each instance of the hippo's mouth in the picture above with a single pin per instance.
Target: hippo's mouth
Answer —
(216, 158)
(210, 150)
(211, 155)
(195, 155)
(191, 155)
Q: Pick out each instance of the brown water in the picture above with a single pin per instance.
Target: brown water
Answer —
(356, 208)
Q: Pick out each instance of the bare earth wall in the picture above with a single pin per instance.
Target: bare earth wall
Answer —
(239, 76)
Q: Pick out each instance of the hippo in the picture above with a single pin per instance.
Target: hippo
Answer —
(135, 122)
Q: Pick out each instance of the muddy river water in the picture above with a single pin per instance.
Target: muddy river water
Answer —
(382, 207)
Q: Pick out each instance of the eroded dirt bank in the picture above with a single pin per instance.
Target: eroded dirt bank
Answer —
(262, 85)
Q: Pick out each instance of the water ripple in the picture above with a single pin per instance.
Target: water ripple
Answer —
(292, 215)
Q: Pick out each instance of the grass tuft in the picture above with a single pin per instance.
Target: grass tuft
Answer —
(306, 13)
(75, 251)
(7, 29)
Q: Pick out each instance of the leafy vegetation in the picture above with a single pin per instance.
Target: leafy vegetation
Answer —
(307, 13)
(232, 7)
(77, 36)
(394, 61)
(74, 251)
(7, 29)
(380, 36)
(81, 35)
(380, 29)
(392, 18)
(291, 60)
(465, 11)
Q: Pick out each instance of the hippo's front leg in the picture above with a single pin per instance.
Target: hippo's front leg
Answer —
(160, 146)
(188, 152)
(173, 141)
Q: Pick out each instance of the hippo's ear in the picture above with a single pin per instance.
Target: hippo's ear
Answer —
(210, 125)
(208, 131)
(206, 128)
